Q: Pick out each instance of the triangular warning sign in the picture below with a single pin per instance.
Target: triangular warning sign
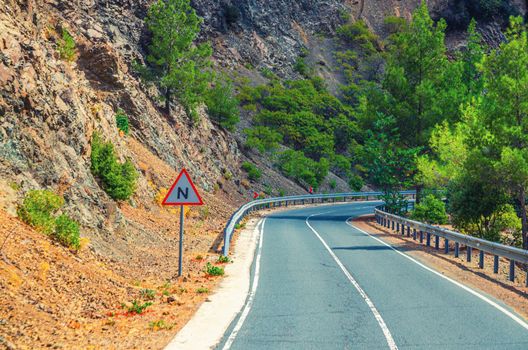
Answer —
(183, 192)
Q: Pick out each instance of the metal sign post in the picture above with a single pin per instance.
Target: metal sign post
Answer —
(183, 192)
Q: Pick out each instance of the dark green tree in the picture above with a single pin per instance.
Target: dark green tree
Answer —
(502, 114)
(178, 65)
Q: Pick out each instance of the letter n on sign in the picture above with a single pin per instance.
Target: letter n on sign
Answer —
(183, 192)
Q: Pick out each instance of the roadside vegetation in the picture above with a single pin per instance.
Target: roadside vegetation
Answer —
(40, 210)
(412, 116)
(117, 179)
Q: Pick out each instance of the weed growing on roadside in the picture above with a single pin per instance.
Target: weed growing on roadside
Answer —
(202, 290)
(223, 259)
(147, 294)
(212, 270)
(159, 325)
(136, 307)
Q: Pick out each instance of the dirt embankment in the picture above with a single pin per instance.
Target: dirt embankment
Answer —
(513, 294)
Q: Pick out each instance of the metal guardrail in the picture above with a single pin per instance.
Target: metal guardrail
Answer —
(292, 200)
(405, 225)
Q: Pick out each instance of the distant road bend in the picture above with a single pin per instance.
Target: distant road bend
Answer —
(318, 282)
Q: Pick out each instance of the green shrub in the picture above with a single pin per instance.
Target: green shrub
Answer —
(66, 47)
(202, 290)
(223, 259)
(281, 192)
(212, 270)
(268, 190)
(302, 68)
(431, 210)
(304, 170)
(38, 208)
(355, 182)
(267, 73)
(147, 294)
(122, 121)
(118, 179)
(262, 138)
(67, 231)
(253, 172)
(333, 184)
(222, 105)
(137, 308)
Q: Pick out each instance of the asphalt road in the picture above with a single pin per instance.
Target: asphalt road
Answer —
(320, 283)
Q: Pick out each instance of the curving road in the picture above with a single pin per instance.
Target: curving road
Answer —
(320, 283)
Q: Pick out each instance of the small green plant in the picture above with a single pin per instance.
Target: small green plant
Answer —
(267, 73)
(253, 172)
(228, 175)
(333, 184)
(223, 259)
(14, 186)
(281, 192)
(199, 257)
(268, 190)
(137, 307)
(66, 47)
(159, 325)
(165, 293)
(67, 231)
(240, 226)
(202, 290)
(302, 67)
(38, 208)
(118, 179)
(147, 294)
(122, 121)
(212, 270)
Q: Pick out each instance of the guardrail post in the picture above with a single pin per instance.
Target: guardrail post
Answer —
(428, 241)
(457, 248)
(392, 223)
(421, 236)
(495, 264)
(414, 234)
(398, 226)
(408, 231)
(481, 259)
(446, 246)
(526, 283)
(512, 270)
(437, 242)
(468, 254)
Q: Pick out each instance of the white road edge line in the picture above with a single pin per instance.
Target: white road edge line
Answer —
(251, 296)
(386, 332)
(475, 293)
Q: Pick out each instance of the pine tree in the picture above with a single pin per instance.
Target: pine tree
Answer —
(178, 65)
(503, 113)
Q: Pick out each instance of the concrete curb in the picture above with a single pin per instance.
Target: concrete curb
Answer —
(208, 325)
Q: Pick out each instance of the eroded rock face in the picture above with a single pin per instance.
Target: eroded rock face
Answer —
(50, 108)
(268, 33)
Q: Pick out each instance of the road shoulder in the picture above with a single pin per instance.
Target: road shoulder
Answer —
(208, 325)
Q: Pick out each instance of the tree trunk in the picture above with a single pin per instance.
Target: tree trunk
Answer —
(418, 189)
(524, 219)
(167, 99)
